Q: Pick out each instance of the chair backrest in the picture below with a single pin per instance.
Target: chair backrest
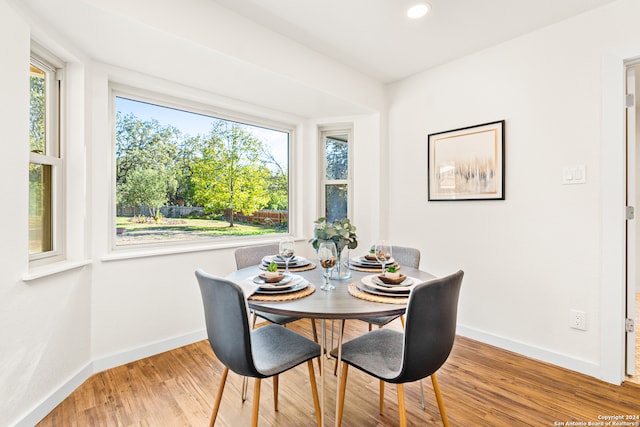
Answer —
(252, 255)
(409, 257)
(227, 324)
(430, 326)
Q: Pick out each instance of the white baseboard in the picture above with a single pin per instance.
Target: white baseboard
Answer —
(574, 364)
(57, 396)
(49, 403)
(121, 358)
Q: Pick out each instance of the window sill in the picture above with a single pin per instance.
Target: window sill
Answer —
(124, 253)
(51, 269)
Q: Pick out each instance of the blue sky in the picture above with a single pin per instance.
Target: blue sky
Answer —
(198, 124)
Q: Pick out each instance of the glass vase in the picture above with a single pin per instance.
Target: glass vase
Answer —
(342, 270)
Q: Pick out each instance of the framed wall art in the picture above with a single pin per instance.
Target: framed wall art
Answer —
(467, 163)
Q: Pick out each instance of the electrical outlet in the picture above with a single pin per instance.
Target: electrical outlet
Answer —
(578, 320)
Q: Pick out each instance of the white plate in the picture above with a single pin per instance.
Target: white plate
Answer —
(296, 261)
(370, 290)
(258, 280)
(362, 261)
(369, 281)
(408, 281)
(279, 259)
(271, 291)
(295, 279)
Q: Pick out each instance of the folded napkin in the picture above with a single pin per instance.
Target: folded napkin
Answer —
(248, 287)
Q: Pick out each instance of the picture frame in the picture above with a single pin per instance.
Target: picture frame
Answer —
(467, 163)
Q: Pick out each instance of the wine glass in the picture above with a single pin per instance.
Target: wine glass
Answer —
(327, 256)
(286, 251)
(383, 253)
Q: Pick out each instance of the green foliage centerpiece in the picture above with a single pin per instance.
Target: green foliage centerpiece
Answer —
(342, 233)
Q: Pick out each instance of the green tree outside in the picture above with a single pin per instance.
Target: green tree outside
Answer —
(278, 183)
(231, 174)
(147, 187)
(37, 124)
(144, 145)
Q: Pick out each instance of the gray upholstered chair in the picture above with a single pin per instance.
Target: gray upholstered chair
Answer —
(258, 353)
(418, 352)
(252, 255)
(405, 256)
(408, 257)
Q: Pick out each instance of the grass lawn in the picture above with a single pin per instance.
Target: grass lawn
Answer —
(184, 229)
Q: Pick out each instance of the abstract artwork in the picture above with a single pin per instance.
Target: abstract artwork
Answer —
(467, 163)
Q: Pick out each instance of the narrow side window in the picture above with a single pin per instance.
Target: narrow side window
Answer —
(45, 162)
(336, 173)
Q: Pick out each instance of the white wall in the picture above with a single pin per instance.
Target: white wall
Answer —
(123, 305)
(45, 323)
(530, 258)
(637, 163)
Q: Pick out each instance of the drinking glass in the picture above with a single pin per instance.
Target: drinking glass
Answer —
(383, 253)
(286, 251)
(327, 256)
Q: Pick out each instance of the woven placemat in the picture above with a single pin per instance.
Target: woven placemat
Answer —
(308, 267)
(353, 290)
(370, 270)
(285, 297)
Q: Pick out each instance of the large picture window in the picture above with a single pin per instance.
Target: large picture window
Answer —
(185, 174)
(45, 161)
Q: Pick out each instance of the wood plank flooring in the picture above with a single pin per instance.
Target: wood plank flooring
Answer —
(481, 386)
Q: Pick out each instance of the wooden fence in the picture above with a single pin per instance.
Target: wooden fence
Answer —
(263, 217)
(166, 211)
(267, 216)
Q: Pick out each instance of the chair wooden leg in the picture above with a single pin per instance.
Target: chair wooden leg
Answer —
(343, 388)
(314, 392)
(370, 326)
(381, 396)
(402, 321)
(401, 409)
(216, 406)
(436, 389)
(256, 402)
(275, 392)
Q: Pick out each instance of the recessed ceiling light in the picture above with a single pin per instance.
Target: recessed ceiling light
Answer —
(418, 10)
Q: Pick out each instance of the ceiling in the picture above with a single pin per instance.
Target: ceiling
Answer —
(376, 38)
(271, 53)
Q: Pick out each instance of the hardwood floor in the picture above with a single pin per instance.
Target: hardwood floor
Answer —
(481, 386)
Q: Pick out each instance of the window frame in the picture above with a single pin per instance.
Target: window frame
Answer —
(54, 113)
(154, 97)
(325, 132)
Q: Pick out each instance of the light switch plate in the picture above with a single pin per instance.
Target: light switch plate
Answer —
(576, 174)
